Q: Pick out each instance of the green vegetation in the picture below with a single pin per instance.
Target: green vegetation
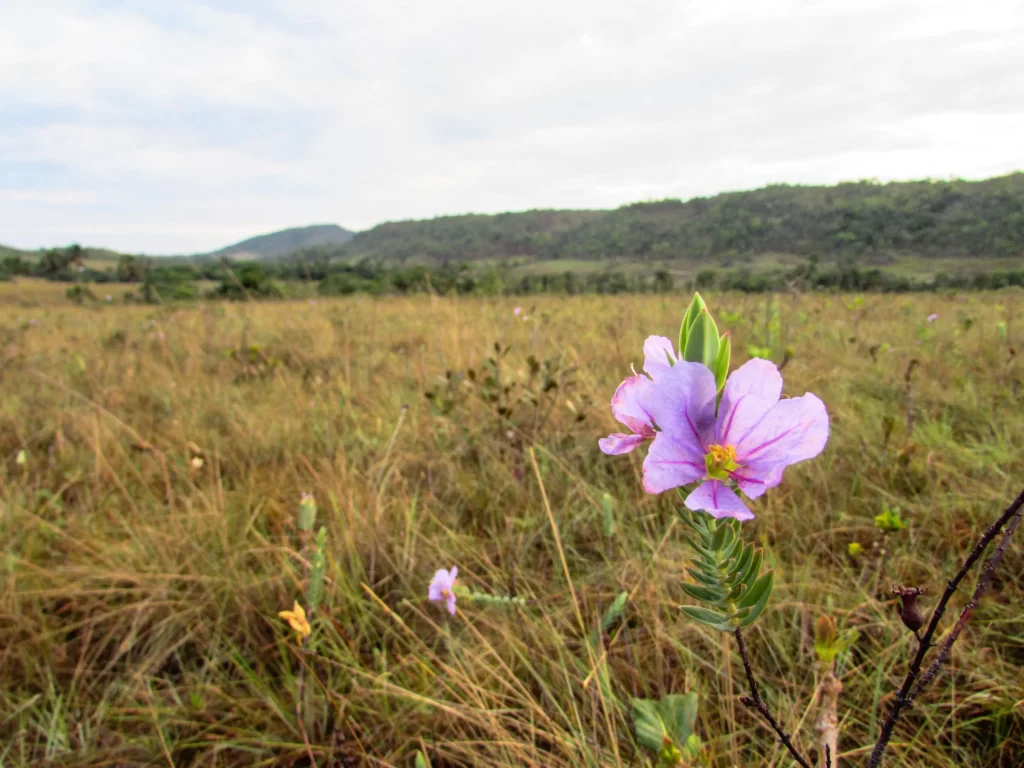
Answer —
(866, 220)
(152, 525)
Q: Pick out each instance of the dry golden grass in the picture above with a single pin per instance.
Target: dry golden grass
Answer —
(139, 592)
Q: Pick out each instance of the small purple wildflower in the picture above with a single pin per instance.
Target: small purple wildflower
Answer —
(442, 587)
(933, 317)
(517, 311)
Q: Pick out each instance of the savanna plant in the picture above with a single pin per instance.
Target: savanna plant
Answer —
(715, 437)
(522, 400)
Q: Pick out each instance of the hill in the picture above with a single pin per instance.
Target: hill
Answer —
(284, 242)
(862, 220)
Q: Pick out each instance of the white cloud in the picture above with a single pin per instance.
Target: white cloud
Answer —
(180, 127)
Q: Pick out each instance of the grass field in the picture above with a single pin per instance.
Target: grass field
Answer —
(152, 461)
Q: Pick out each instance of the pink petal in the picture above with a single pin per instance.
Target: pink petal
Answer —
(793, 430)
(629, 405)
(618, 443)
(659, 356)
(754, 481)
(682, 403)
(451, 603)
(437, 585)
(452, 576)
(671, 463)
(750, 392)
(718, 500)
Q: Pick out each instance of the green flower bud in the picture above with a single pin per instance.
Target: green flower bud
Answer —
(702, 342)
(307, 512)
(697, 306)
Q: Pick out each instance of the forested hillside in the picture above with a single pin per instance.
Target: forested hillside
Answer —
(927, 218)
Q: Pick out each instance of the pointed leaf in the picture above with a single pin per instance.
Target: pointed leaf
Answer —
(723, 537)
(721, 368)
(678, 714)
(742, 563)
(647, 722)
(756, 591)
(711, 595)
(704, 578)
(755, 611)
(713, 619)
(753, 569)
(614, 612)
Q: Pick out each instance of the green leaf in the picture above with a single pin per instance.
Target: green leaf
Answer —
(704, 578)
(724, 537)
(752, 570)
(721, 368)
(671, 718)
(735, 549)
(755, 592)
(679, 714)
(608, 508)
(421, 760)
(705, 594)
(713, 619)
(740, 566)
(647, 722)
(756, 609)
(614, 612)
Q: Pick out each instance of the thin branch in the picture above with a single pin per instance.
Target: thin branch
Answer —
(987, 572)
(903, 695)
(756, 703)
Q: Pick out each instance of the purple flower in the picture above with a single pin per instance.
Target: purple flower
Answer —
(932, 317)
(750, 441)
(442, 587)
(517, 311)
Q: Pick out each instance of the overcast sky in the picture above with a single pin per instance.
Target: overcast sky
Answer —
(178, 126)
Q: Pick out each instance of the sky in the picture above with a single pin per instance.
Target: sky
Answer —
(179, 127)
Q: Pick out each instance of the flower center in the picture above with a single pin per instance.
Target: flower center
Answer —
(720, 461)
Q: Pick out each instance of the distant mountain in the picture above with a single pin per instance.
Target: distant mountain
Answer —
(8, 252)
(286, 241)
(91, 254)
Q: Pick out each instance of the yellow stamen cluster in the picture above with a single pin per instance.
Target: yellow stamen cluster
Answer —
(720, 461)
(723, 454)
